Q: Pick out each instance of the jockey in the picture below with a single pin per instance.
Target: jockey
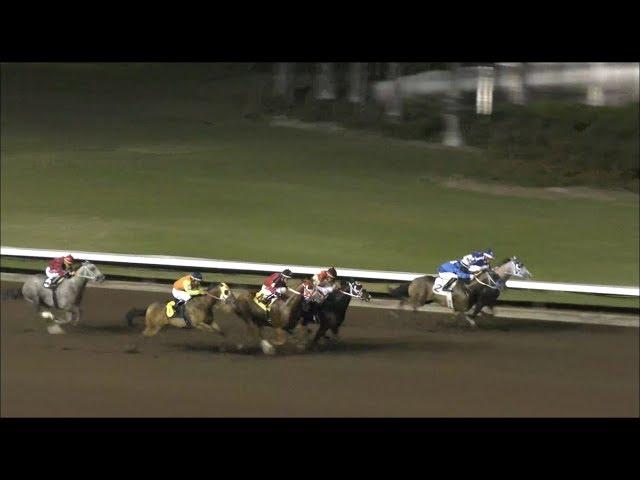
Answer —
(57, 269)
(324, 281)
(465, 268)
(187, 287)
(274, 286)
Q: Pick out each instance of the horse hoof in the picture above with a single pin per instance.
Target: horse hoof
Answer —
(217, 328)
(267, 348)
(55, 330)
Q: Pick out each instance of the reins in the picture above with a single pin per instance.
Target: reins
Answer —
(494, 286)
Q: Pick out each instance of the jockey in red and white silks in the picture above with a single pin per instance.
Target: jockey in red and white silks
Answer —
(274, 286)
(58, 267)
(324, 281)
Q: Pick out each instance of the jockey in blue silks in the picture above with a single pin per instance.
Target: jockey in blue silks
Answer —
(464, 268)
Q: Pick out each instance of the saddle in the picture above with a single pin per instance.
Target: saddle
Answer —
(261, 301)
(53, 286)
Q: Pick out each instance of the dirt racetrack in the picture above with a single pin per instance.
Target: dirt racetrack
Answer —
(385, 365)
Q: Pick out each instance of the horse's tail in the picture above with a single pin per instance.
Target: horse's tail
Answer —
(133, 313)
(400, 292)
(11, 294)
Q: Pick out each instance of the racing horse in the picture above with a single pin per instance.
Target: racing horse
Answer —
(332, 311)
(284, 315)
(66, 297)
(483, 290)
(199, 311)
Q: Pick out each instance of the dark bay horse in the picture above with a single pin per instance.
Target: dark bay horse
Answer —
(199, 310)
(68, 295)
(331, 313)
(283, 316)
(483, 290)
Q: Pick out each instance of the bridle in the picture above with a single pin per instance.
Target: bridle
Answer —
(220, 298)
(495, 286)
(352, 288)
(93, 276)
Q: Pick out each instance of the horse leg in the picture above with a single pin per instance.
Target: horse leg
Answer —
(265, 345)
(322, 329)
(68, 315)
(213, 328)
(151, 331)
(53, 326)
(255, 331)
(468, 318)
(77, 311)
(154, 324)
(335, 331)
(281, 337)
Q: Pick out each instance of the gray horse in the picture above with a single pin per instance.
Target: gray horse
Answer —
(68, 295)
(466, 299)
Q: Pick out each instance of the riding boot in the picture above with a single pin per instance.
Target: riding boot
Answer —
(446, 287)
(182, 313)
(177, 307)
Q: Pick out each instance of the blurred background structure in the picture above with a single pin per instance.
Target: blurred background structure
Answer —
(460, 87)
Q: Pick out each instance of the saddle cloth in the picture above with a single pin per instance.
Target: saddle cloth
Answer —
(437, 289)
(172, 311)
(259, 300)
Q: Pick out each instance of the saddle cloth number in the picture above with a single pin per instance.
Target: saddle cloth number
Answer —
(437, 289)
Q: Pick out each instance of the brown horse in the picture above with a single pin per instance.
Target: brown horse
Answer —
(283, 316)
(199, 311)
(483, 290)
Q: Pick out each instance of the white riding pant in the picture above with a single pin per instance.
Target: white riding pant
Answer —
(266, 293)
(442, 279)
(181, 295)
(50, 274)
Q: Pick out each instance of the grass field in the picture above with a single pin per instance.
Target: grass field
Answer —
(119, 159)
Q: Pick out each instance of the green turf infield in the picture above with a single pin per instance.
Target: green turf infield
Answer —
(104, 167)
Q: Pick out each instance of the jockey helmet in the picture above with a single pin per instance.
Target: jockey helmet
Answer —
(488, 253)
(332, 272)
(286, 273)
(68, 260)
(196, 276)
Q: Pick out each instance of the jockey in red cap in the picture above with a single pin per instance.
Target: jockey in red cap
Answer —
(274, 287)
(324, 281)
(58, 268)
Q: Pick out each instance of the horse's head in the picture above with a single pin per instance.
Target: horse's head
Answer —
(516, 268)
(90, 271)
(357, 290)
(223, 292)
